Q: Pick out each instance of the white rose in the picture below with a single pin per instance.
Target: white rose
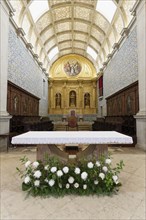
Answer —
(46, 167)
(60, 185)
(115, 179)
(95, 182)
(27, 179)
(104, 169)
(102, 176)
(84, 175)
(59, 173)
(46, 180)
(37, 183)
(65, 169)
(77, 170)
(108, 161)
(35, 164)
(27, 163)
(90, 165)
(76, 185)
(71, 179)
(51, 182)
(67, 186)
(37, 174)
(53, 169)
(84, 186)
(116, 182)
(97, 164)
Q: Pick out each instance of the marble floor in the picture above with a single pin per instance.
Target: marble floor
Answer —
(128, 204)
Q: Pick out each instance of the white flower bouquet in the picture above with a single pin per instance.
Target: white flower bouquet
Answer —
(81, 177)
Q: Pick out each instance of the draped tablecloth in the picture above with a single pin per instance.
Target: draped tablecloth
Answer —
(72, 137)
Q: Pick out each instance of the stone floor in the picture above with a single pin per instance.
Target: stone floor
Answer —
(128, 204)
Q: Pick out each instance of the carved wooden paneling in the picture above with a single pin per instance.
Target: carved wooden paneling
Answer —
(20, 102)
(124, 102)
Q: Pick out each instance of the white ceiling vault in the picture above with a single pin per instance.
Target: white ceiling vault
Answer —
(59, 27)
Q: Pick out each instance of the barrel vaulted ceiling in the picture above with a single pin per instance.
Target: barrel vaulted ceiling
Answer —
(90, 28)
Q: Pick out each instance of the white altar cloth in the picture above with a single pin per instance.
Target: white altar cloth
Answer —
(72, 137)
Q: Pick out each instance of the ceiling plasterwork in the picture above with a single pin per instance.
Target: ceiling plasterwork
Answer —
(72, 26)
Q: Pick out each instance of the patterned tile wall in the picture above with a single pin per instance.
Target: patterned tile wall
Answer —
(122, 69)
(24, 71)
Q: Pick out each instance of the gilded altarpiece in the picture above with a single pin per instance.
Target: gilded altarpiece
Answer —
(72, 86)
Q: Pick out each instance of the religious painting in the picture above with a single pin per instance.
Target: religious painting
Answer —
(72, 67)
(129, 104)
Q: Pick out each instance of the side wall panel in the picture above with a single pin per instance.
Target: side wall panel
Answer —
(24, 72)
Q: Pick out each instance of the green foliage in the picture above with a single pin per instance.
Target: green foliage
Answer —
(83, 177)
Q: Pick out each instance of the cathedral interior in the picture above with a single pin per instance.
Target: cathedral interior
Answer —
(81, 56)
(73, 86)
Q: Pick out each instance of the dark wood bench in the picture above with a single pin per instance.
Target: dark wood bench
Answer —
(124, 124)
(23, 124)
(20, 124)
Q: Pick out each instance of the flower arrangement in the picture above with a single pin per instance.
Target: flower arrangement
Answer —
(81, 177)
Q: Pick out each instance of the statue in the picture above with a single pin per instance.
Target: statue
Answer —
(72, 98)
(87, 99)
(58, 100)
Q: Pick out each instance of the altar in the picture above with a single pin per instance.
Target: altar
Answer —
(46, 140)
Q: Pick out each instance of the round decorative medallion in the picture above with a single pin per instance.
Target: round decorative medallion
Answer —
(72, 67)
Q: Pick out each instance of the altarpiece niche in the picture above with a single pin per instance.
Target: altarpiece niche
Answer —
(72, 85)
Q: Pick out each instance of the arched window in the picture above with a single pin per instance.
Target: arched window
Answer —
(58, 100)
(72, 98)
(87, 99)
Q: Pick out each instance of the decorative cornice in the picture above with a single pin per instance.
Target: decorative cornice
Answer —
(115, 46)
(101, 70)
(44, 70)
(109, 56)
(133, 9)
(124, 32)
(11, 13)
(105, 63)
(40, 63)
(20, 32)
(10, 9)
(29, 46)
(35, 56)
